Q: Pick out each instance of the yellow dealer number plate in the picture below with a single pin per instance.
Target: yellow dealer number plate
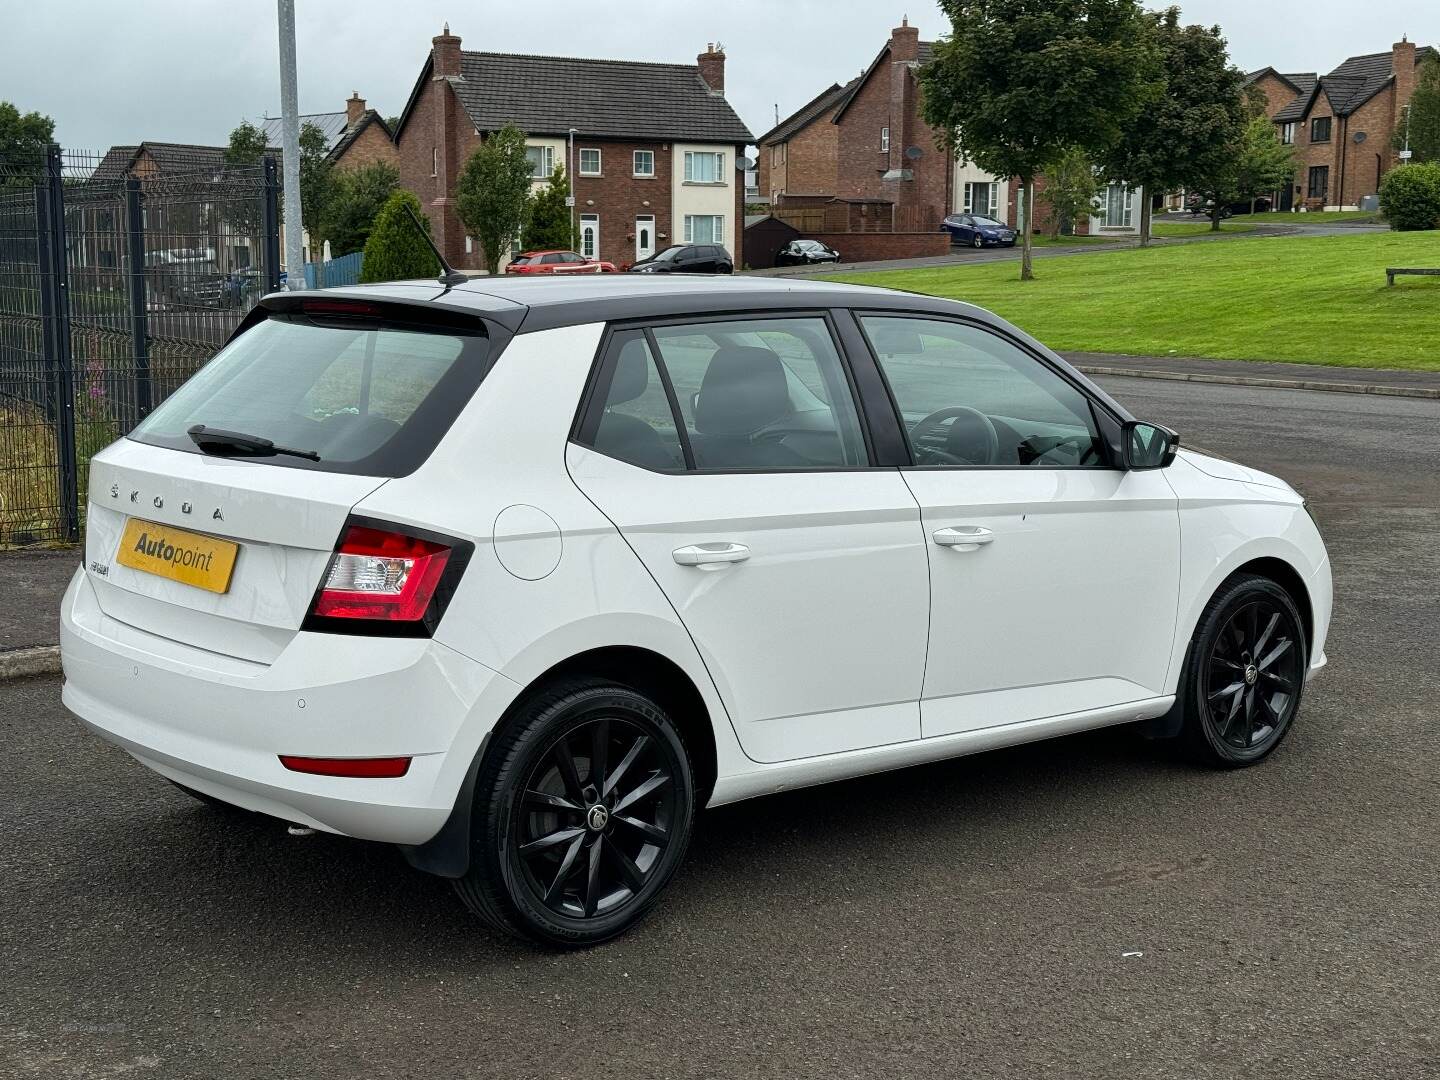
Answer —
(202, 561)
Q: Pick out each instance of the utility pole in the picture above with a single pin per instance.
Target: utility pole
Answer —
(290, 147)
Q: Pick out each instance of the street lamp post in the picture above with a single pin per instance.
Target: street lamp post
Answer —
(570, 176)
(290, 148)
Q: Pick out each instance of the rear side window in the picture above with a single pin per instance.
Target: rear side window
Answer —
(369, 397)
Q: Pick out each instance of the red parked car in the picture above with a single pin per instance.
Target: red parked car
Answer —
(557, 262)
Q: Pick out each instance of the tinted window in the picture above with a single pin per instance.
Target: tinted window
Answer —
(762, 394)
(634, 422)
(369, 398)
(971, 398)
(550, 259)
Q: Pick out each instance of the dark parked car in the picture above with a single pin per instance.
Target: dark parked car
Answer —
(805, 252)
(687, 259)
(977, 230)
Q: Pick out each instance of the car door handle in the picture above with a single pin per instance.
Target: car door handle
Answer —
(963, 537)
(711, 554)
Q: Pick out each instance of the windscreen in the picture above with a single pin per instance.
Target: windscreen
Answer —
(367, 396)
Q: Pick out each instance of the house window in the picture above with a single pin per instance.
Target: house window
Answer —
(542, 161)
(1320, 129)
(644, 164)
(704, 228)
(1319, 181)
(589, 235)
(1118, 206)
(703, 167)
(1287, 133)
(884, 140)
(982, 198)
(589, 162)
(434, 161)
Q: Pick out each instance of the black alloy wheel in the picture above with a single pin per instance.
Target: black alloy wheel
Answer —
(1246, 673)
(586, 818)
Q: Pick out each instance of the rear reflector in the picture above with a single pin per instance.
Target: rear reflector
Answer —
(372, 768)
(377, 574)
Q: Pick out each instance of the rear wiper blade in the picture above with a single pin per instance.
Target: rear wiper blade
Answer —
(220, 442)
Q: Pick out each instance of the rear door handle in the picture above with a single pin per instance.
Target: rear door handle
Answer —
(711, 554)
(963, 537)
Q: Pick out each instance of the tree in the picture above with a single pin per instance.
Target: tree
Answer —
(1186, 135)
(492, 195)
(550, 223)
(356, 197)
(1410, 196)
(1070, 189)
(1424, 118)
(396, 251)
(247, 145)
(1255, 161)
(1019, 82)
(315, 182)
(24, 136)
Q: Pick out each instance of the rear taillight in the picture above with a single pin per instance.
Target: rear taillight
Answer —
(387, 579)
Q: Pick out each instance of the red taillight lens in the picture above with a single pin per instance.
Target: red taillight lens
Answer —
(377, 768)
(376, 574)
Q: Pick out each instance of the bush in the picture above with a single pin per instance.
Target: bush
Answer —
(1410, 197)
(356, 200)
(396, 251)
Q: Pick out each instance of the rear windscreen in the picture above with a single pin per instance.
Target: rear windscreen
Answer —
(366, 396)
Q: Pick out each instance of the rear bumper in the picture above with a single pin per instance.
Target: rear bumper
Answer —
(218, 724)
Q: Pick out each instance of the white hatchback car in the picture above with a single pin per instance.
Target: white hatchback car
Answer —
(519, 574)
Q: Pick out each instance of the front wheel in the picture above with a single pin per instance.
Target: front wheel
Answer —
(978, 242)
(582, 814)
(1245, 673)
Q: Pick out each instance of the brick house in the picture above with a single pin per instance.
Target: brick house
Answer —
(867, 140)
(1340, 124)
(365, 139)
(654, 147)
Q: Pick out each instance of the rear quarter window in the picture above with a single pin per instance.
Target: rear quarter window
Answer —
(369, 396)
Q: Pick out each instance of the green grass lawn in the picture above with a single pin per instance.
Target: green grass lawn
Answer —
(1316, 300)
(1195, 228)
(1317, 217)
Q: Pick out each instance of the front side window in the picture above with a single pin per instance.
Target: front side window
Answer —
(704, 167)
(704, 228)
(1118, 206)
(367, 396)
(589, 162)
(982, 198)
(1320, 129)
(644, 163)
(751, 394)
(970, 398)
(542, 161)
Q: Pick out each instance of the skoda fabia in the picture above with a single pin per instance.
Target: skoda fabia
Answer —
(520, 574)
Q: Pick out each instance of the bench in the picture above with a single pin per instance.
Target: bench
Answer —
(1391, 271)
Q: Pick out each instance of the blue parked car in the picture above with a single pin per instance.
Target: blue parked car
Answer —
(976, 230)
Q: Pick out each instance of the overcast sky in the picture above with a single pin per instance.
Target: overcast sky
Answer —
(189, 70)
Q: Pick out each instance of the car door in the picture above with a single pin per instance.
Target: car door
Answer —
(1054, 574)
(731, 456)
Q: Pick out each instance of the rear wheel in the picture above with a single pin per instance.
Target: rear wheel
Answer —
(582, 814)
(1245, 675)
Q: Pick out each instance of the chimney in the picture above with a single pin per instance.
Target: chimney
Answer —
(712, 66)
(1402, 63)
(905, 42)
(446, 50)
(354, 108)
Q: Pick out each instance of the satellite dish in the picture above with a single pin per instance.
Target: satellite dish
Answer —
(744, 163)
(1359, 137)
(914, 153)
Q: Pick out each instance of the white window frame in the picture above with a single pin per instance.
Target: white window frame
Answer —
(992, 196)
(691, 157)
(1127, 208)
(597, 171)
(434, 161)
(885, 139)
(1287, 133)
(547, 161)
(635, 169)
(717, 227)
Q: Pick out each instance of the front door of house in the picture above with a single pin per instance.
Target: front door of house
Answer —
(590, 235)
(644, 237)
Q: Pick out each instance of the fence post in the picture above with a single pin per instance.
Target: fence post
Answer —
(270, 220)
(139, 301)
(57, 283)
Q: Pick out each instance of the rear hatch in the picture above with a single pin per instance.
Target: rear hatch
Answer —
(218, 540)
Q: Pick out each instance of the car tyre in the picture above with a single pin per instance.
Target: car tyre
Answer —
(1245, 674)
(582, 813)
(978, 242)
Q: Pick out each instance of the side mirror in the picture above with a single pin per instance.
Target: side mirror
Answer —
(1147, 446)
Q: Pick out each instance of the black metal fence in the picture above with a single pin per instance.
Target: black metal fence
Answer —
(118, 279)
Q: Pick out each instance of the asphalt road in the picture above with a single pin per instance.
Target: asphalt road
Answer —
(1081, 908)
